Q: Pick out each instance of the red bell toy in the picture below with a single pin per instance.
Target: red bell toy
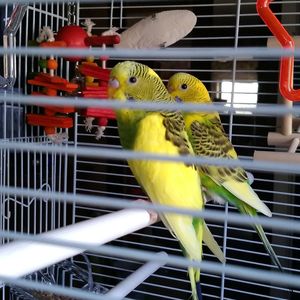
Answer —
(76, 37)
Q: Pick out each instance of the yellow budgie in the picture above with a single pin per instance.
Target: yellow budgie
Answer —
(208, 138)
(167, 183)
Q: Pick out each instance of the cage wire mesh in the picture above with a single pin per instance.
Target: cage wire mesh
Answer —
(220, 23)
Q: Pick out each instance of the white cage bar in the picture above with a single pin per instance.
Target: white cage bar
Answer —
(225, 27)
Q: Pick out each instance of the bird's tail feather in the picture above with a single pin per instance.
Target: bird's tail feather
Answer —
(194, 275)
(270, 250)
(199, 290)
(268, 246)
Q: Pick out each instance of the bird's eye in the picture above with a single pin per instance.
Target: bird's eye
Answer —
(184, 86)
(132, 79)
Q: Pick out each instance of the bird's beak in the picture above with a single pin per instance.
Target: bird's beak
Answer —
(113, 87)
(115, 90)
(177, 99)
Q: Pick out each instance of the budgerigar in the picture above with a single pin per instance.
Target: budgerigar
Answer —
(208, 138)
(167, 183)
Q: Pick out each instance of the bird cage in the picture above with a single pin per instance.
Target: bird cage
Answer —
(66, 188)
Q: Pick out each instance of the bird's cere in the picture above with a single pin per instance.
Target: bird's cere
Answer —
(114, 83)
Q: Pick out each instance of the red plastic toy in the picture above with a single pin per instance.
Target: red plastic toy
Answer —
(286, 78)
(76, 37)
(49, 119)
(98, 90)
(96, 79)
(90, 69)
(54, 117)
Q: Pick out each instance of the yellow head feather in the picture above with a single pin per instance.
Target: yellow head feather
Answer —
(136, 81)
(188, 88)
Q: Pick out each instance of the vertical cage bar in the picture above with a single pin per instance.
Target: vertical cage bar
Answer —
(2, 212)
(75, 166)
(236, 41)
(111, 14)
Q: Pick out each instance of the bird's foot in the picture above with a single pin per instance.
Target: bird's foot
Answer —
(153, 214)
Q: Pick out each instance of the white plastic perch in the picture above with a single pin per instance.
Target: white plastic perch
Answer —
(20, 258)
(132, 281)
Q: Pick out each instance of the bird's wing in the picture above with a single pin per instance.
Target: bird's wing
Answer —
(209, 139)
